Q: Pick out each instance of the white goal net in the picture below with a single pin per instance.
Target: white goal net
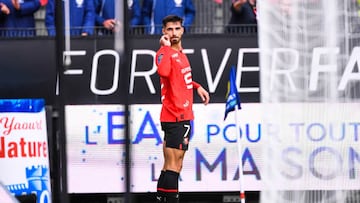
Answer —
(310, 90)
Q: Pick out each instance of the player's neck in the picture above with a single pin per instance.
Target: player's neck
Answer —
(177, 46)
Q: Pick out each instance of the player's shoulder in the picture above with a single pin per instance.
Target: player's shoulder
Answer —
(165, 49)
(163, 52)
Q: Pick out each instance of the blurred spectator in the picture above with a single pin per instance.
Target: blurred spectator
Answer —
(135, 14)
(243, 12)
(81, 14)
(17, 17)
(105, 15)
(153, 11)
(356, 26)
(285, 7)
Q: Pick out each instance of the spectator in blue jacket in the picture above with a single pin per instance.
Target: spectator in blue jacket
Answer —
(243, 12)
(17, 17)
(81, 14)
(105, 15)
(153, 11)
(135, 13)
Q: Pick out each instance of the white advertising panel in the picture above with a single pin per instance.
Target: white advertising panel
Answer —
(96, 157)
(24, 154)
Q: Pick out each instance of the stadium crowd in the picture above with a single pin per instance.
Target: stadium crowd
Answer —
(29, 18)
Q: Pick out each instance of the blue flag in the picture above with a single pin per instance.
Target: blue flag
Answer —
(232, 95)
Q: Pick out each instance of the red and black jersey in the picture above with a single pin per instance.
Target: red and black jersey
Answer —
(176, 85)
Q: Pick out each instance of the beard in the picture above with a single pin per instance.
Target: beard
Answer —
(175, 40)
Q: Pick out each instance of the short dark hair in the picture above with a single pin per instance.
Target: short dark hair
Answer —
(171, 18)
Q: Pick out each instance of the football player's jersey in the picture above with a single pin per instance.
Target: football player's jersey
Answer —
(176, 85)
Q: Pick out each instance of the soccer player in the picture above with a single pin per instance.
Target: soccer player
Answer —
(177, 99)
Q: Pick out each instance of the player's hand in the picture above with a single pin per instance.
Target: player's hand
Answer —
(240, 1)
(4, 8)
(16, 4)
(165, 40)
(237, 4)
(109, 24)
(204, 95)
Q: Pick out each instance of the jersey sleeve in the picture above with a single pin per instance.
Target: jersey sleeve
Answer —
(163, 61)
(195, 85)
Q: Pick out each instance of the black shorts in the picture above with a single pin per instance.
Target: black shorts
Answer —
(177, 134)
